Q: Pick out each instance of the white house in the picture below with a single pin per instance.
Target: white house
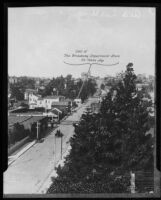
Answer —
(33, 99)
(29, 92)
(47, 101)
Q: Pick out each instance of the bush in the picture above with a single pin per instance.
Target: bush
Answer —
(18, 133)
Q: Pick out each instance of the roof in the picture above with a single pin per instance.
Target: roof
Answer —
(30, 90)
(141, 84)
(77, 99)
(12, 119)
(33, 120)
(61, 103)
(37, 95)
(28, 121)
(52, 97)
(50, 114)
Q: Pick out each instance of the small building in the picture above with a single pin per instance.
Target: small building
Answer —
(29, 92)
(57, 112)
(64, 106)
(78, 101)
(36, 101)
(33, 98)
(42, 87)
(20, 127)
(22, 103)
(49, 100)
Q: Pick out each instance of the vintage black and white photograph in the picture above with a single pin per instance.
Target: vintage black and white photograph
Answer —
(81, 101)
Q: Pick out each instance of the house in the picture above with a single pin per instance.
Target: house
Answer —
(40, 102)
(48, 100)
(57, 112)
(33, 98)
(51, 115)
(36, 101)
(28, 92)
(42, 87)
(63, 106)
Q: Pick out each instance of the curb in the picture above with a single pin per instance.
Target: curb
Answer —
(25, 149)
(46, 184)
(22, 152)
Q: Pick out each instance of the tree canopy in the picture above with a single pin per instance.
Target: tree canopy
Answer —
(69, 87)
(114, 141)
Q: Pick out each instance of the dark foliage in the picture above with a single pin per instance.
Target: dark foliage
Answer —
(109, 143)
(67, 87)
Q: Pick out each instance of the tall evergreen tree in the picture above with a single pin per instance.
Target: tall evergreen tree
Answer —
(126, 114)
(109, 143)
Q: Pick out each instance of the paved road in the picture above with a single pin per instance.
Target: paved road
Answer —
(28, 173)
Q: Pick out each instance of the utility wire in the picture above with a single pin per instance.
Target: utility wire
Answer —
(89, 71)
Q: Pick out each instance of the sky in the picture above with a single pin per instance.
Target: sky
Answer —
(39, 37)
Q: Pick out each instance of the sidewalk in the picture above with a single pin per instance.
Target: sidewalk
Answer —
(22, 150)
(32, 172)
(12, 158)
(47, 183)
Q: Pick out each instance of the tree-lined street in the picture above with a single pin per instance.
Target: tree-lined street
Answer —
(28, 173)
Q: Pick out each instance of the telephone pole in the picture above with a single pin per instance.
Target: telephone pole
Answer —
(90, 65)
(37, 130)
(61, 146)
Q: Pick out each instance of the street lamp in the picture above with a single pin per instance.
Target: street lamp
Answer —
(88, 73)
(38, 123)
(59, 134)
